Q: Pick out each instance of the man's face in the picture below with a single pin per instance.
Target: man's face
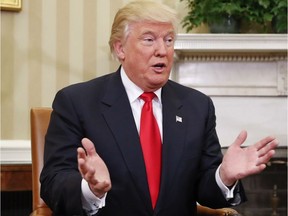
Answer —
(147, 54)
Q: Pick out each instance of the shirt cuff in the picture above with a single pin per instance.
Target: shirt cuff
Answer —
(91, 203)
(227, 192)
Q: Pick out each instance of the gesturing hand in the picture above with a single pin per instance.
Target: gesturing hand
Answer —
(93, 169)
(241, 162)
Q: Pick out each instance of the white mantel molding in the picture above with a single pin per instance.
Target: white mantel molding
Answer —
(231, 43)
(232, 64)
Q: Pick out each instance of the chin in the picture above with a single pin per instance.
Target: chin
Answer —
(159, 82)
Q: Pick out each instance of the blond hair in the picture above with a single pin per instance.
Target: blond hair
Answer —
(139, 11)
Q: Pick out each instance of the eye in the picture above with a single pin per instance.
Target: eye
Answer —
(169, 41)
(148, 41)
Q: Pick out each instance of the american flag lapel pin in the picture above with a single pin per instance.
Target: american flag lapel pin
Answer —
(178, 119)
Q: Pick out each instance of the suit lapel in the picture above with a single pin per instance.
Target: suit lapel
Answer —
(120, 119)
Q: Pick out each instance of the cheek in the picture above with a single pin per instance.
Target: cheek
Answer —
(171, 54)
(142, 57)
(170, 57)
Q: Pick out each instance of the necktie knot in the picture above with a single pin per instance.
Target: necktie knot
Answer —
(147, 96)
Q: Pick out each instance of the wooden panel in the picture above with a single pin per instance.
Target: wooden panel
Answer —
(16, 177)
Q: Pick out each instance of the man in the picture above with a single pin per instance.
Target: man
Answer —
(95, 161)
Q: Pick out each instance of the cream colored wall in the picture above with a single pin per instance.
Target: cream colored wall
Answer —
(49, 45)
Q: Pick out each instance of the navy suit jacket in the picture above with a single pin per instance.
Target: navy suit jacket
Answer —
(100, 110)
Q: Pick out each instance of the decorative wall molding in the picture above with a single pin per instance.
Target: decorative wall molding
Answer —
(255, 57)
(15, 151)
(231, 43)
(232, 64)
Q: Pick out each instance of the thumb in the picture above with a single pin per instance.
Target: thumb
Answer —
(240, 139)
(89, 147)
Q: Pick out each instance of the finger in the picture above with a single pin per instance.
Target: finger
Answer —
(265, 158)
(81, 153)
(101, 186)
(262, 143)
(254, 170)
(241, 138)
(89, 147)
(259, 169)
(81, 157)
(89, 176)
(83, 169)
(268, 147)
(100, 189)
(87, 173)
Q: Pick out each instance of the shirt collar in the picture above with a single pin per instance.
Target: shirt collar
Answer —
(133, 91)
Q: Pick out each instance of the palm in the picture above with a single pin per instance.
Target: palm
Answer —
(244, 161)
(241, 162)
(93, 169)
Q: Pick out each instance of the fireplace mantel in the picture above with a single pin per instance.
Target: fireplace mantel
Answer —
(203, 43)
(232, 64)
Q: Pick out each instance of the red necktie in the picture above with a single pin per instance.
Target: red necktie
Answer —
(151, 145)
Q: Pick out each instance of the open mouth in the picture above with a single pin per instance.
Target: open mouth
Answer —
(159, 65)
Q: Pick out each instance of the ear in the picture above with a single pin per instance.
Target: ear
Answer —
(119, 51)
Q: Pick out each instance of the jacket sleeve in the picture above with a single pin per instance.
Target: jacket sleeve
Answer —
(60, 178)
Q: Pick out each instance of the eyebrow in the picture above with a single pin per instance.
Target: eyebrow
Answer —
(145, 32)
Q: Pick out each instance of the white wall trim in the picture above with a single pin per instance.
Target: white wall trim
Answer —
(231, 42)
(15, 151)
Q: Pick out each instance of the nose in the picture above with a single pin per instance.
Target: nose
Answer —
(160, 48)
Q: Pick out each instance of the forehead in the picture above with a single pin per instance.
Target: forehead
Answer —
(157, 28)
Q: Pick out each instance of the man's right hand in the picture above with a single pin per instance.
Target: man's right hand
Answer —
(93, 169)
